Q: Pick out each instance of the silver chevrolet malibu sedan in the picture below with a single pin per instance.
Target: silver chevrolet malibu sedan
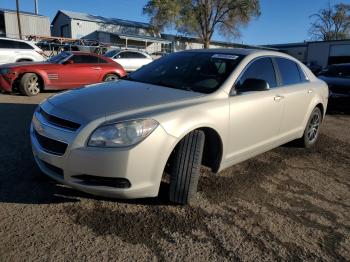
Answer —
(213, 108)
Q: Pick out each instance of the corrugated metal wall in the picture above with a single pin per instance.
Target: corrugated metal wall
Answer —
(82, 28)
(30, 24)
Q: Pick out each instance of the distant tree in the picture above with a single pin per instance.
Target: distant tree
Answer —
(331, 23)
(202, 17)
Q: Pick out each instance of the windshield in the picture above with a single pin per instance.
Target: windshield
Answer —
(192, 71)
(59, 58)
(111, 53)
(336, 71)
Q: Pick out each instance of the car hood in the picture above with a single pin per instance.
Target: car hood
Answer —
(98, 100)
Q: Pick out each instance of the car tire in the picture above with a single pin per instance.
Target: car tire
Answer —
(184, 174)
(29, 84)
(312, 129)
(110, 77)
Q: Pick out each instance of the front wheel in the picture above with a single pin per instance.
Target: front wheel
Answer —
(29, 84)
(110, 77)
(184, 174)
(312, 129)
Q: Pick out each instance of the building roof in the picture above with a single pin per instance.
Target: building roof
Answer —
(215, 42)
(21, 12)
(101, 19)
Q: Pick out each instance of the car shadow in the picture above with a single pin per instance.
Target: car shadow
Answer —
(21, 181)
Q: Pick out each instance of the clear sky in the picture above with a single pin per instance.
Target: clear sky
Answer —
(281, 21)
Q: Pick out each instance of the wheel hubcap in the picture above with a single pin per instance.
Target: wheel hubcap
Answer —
(33, 85)
(111, 78)
(313, 128)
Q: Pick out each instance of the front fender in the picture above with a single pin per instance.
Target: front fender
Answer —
(213, 114)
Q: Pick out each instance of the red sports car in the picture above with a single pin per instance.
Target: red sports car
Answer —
(63, 71)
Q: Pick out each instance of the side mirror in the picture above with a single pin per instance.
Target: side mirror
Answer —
(253, 84)
(68, 62)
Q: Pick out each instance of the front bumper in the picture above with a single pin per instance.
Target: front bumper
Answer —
(5, 83)
(142, 165)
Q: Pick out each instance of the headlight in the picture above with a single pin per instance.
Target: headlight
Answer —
(122, 134)
(4, 71)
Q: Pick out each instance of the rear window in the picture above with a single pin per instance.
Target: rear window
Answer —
(12, 44)
(289, 71)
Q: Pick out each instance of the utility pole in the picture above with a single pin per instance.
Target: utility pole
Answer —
(36, 7)
(19, 20)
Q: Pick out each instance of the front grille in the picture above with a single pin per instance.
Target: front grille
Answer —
(54, 169)
(60, 122)
(50, 145)
(103, 181)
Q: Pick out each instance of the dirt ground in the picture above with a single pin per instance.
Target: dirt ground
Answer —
(287, 204)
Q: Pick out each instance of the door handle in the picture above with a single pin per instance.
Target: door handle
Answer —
(309, 91)
(278, 98)
(96, 68)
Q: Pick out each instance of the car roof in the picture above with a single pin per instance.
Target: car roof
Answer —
(15, 39)
(236, 51)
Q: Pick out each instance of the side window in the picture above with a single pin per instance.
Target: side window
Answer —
(101, 60)
(84, 59)
(10, 44)
(260, 69)
(289, 71)
(138, 55)
(22, 45)
(123, 55)
(344, 71)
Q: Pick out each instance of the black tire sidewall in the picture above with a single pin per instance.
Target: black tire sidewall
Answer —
(306, 141)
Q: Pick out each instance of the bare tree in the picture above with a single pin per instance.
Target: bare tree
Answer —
(331, 23)
(202, 17)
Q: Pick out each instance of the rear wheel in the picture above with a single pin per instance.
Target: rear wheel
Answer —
(185, 168)
(29, 84)
(312, 129)
(110, 77)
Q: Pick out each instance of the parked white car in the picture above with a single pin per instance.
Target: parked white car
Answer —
(130, 60)
(14, 50)
(214, 107)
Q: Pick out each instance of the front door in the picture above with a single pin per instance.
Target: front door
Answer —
(83, 70)
(255, 117)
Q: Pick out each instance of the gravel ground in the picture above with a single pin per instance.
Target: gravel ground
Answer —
(287, 204)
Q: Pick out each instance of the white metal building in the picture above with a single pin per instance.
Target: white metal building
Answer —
(31, 24)
(321, 53)
(128, 34)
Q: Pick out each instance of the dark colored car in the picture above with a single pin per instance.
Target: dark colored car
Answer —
(338, 79)
(63, 71)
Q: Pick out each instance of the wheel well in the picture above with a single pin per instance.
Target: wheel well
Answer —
(24, 60)
(320, 106)
(111, 73)
(15, 84)
(212, 151)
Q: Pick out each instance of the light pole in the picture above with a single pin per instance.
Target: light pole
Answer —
(36, 7)
(18, 20)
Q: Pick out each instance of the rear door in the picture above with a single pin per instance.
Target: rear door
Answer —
(297, 93)
(85, 69)
(255, 117)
